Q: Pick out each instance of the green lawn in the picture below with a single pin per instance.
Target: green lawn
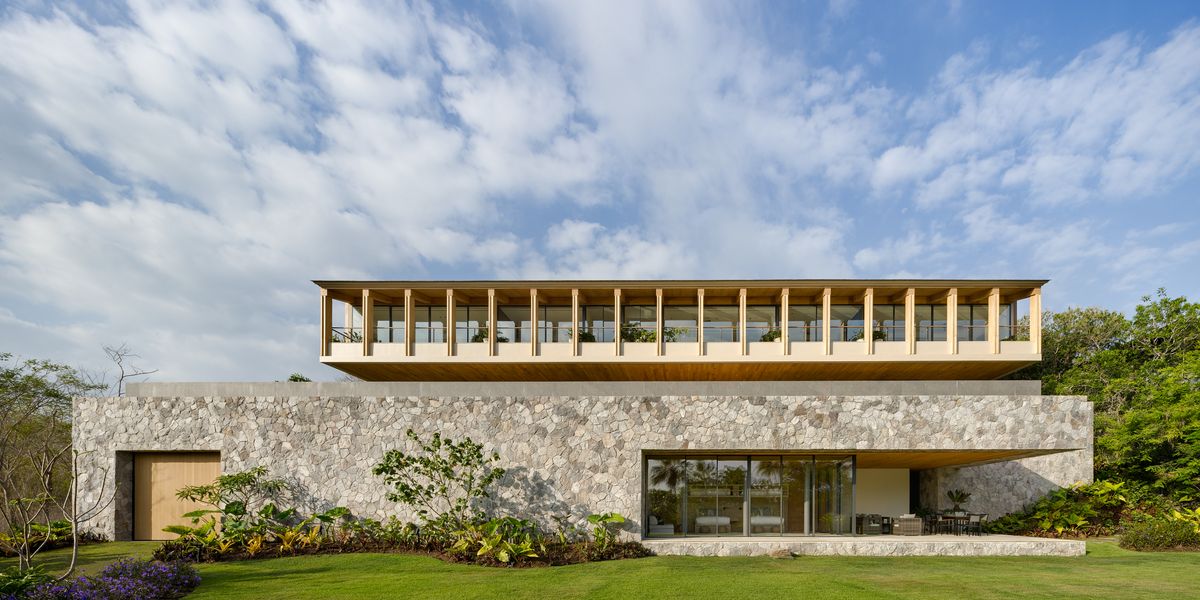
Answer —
(1107, 571)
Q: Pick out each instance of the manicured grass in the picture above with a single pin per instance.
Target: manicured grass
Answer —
(1107, 571)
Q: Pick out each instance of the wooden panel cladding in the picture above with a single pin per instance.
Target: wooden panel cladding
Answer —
(679, 371)
(156, 478)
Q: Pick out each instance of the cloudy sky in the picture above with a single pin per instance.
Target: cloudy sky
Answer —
(172, 176)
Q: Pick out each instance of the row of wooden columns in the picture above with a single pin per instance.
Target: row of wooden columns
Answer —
(867, 299)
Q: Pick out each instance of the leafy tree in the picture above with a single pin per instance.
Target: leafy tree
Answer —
(298, 378)
(444, 481)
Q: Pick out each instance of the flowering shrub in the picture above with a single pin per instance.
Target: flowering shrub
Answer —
(126, 579)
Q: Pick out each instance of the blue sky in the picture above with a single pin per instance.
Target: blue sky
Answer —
(173, 175)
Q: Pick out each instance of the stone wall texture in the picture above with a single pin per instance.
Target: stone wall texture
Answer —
(575, 454)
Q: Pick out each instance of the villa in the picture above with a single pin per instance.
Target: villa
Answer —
(713, 414)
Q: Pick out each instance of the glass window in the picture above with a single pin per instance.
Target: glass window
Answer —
(513, 324)
(832, 493)
(846, 322)
(679, 323)
(720, 323)
(766, 496)
(430, 324)
(389, 324)
(554, 324)
(888, 322)
(596, 323)
(972, 322)
(804, 322)
(470, 324)
(640, 323)
(931, 322)
(666, 480)
(762, 323)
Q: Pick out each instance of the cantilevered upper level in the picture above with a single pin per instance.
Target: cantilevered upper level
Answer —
(678, 330)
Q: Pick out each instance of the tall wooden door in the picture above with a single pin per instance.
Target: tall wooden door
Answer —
(156, 478)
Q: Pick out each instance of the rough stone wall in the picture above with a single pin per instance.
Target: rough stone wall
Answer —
(575, 454)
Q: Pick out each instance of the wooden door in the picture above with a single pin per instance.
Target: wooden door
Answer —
(156, 478)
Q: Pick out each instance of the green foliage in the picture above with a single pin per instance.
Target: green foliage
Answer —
(14, 582)
(505, 540)
(605, 527)
(481, 336)
(1143, 376)
(1083, 509)
(958, 497)
(1161, 534)
(298, 378)
(771, 335)
(443, 481)
(632, 331)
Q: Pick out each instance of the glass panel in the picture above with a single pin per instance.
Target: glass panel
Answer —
(679, 323)
(889, 322)
(430, 325)
(846, 322)
(470, 325)
(666, 480)
(554, 323)
(931, 322)
(513, 324)
(972, 322)
(804, 323)
(596, 324)
(766, 496)
(640, 322)
(730, 504)
(797, 495)
(383, 324)
(831, 496)
(703, 489)
(762, 323)
(720, 323)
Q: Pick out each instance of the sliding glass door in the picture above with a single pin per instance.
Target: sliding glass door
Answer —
(767, 495)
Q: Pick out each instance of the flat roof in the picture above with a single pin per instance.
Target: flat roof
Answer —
(674, 283)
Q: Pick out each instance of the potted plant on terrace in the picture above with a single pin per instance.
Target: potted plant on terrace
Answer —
(958, 497)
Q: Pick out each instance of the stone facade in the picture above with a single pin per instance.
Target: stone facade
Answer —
(573, 454)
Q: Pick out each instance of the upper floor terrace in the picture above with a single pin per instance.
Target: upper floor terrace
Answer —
(680, 330)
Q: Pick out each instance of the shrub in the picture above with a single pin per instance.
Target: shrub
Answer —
(14, 583)
(1080, 510)
(1160, 534)
(126, 579)
(443, 481)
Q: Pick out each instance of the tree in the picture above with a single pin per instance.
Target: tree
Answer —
(443, 481)
(122, 357)
(38, 467)
(298, 378)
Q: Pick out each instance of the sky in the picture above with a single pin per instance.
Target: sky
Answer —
(174, 175)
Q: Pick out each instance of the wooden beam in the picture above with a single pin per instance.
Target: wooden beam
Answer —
(783, 325)
(410, 322)
(869, 320)
(617, 321)
(491, 319)
(533, 321)
(574, 322)
(1035, 320)
(451, 324)
(326, 321)
(952, 321)
(700, 321)
(660, 341)
(826, 313)
(910, 320)
(742, 321)
(368, 313)
(993, 320)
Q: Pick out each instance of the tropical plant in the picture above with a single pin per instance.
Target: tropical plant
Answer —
(605, 527)
(15, 582)
(443, 480)
(958, 497)
(1160, 534)
(481, 336)
(772, 335)
(504, 539)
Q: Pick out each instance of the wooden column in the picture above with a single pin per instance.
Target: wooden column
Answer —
(617, 322)
(783, 322)
(826, 313)
(661, 344)
(348, 316)
(533, 320)
(910, 320)
(491, 318)
(574, 322)
(993, 323)
(1035, 320)
(869, 319)
(952, 321)
(410, 322)
(451, 325)
(368, 313)
(326, 321)
(700, 321)
(742, 320)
